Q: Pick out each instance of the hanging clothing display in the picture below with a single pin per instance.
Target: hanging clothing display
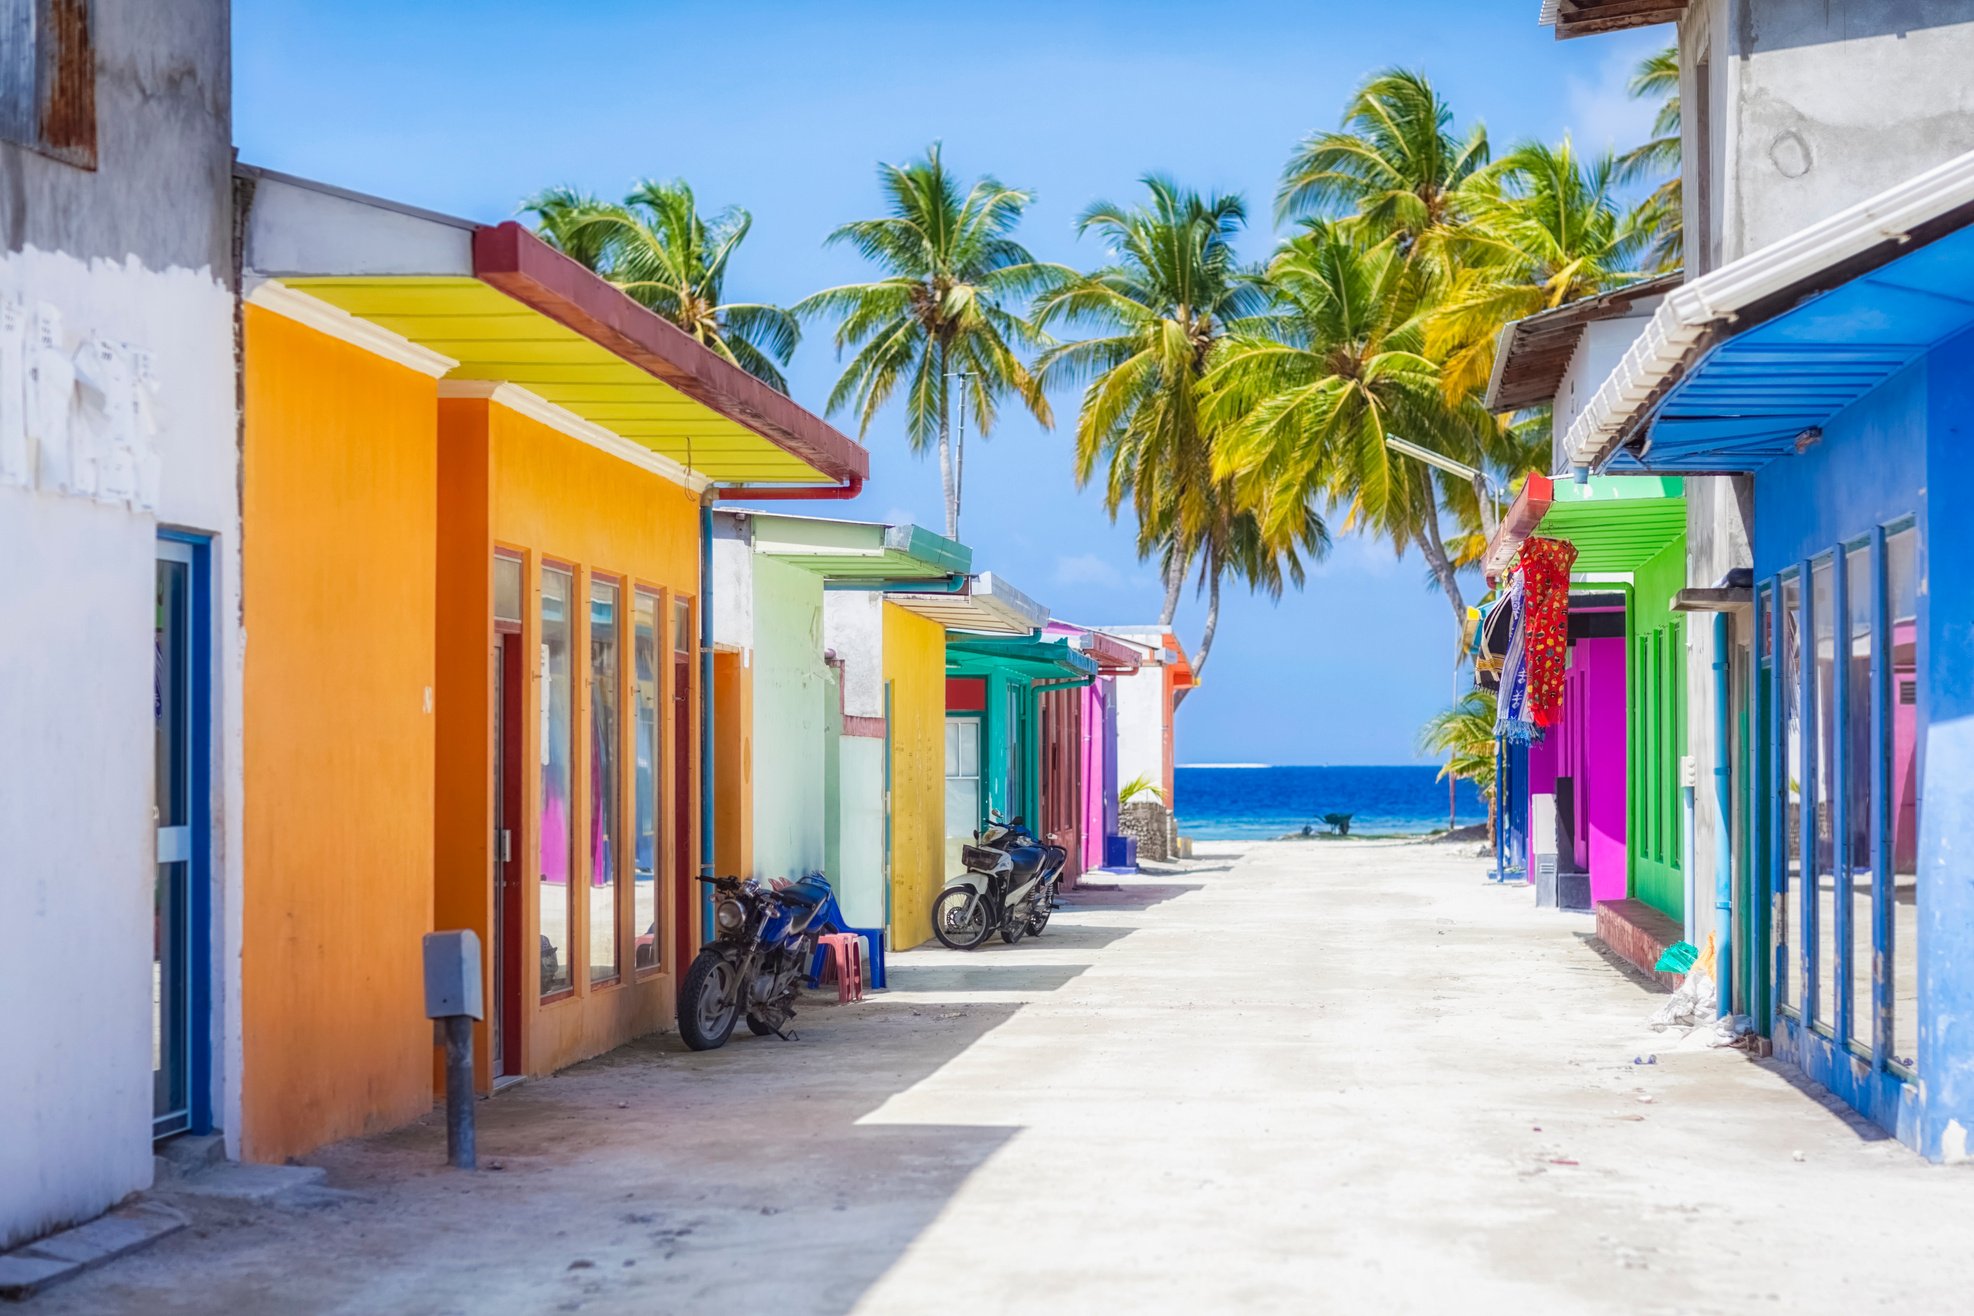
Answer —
(1543, 569)
(1511, 720)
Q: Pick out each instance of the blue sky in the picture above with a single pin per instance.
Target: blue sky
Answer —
(786, 108)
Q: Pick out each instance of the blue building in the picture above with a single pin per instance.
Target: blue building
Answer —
(1832, 374)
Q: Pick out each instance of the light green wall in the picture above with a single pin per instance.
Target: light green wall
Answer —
(1657, 733)
(791, 768)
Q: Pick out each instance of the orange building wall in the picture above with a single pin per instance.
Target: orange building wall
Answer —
(915, 668)
(339, 503)
(549, 496)
(733, 764)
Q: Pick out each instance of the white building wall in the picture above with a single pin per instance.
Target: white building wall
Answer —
(1141, 726)
(77, 609)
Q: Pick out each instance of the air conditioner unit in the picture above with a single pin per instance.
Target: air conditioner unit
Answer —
(1542, 842)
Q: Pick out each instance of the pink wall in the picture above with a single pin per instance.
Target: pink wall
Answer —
(1595, 755)
(1095, 714)
(1587, 745)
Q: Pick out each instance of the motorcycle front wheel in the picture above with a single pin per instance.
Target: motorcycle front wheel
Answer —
(709, 1000)
(954, 924)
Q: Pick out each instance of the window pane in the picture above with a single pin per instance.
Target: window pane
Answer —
(1823, 858)
(1902, 778)
(170, 681)
(682, 625)
(605, 735)
(1856, 848)
(1789, 704)
(557, 593)
(507, 589)
(644, 884)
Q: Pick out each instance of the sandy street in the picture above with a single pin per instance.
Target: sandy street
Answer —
(1336, 1076)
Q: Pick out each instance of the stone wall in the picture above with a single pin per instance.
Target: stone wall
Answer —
(1147, 822)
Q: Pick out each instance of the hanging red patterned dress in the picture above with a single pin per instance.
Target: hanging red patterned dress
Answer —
(1545, 566)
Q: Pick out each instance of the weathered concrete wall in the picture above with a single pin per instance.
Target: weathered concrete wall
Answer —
(164, 134)
(133, 253)
(1811, 107)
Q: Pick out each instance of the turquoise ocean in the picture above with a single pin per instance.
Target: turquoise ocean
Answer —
(1257, 802)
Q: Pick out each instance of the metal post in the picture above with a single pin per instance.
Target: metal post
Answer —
(460, 1151)
(706, 710)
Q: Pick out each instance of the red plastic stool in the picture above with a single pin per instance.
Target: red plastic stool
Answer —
(846, 958)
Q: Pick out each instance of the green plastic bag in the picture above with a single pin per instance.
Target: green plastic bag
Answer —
(1678, 958)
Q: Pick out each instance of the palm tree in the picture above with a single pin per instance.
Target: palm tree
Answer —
(664, 255)
(1309, 392)
(944, 310)
(1397, 165)
(1156, 314)
(1547, 228)
(1660, 216)
(1465, 734)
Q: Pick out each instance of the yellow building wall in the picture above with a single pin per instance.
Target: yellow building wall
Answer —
(915, 667)
(338, 508)
(551, 497)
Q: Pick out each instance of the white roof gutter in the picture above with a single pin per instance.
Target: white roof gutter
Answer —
(1683, 323)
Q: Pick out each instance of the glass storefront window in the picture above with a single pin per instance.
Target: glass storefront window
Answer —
(1789, 709)
(1822, 784)
(644, 877)
(556, 825)
(605, 732)
(962, 784)
(1854, 850)
(507, 588)
(1902, 780)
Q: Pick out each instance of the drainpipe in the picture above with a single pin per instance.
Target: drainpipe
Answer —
(706, 789)
(1723, 840)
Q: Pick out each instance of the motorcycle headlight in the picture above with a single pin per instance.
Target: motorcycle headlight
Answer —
(729, 915)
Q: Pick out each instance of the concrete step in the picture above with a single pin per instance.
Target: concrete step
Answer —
(27, 1270)
(236, 1182)
(182, 1157)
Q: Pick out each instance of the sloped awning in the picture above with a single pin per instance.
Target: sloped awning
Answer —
(985, 605)
(1031, 658)
(1745, 365)
(495, 305)
(1581, 18)
(1617, 522)
(1532, 353)
(859, 551)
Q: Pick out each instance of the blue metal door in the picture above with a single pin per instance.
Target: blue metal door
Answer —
(180, 940)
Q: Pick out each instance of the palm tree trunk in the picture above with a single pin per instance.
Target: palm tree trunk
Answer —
(1175, 580)
(1489, 521)
(947, 483)
(1434, 550)
(1206, 636)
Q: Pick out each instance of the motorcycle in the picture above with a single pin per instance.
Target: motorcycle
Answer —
(764, 943)
(1010, 885)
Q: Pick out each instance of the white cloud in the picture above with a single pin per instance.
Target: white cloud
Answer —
(1603, 116)
(1087, 569)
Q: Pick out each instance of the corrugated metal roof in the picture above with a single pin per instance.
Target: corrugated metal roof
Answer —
(1766, 393)
(988, 605)
(856, 550)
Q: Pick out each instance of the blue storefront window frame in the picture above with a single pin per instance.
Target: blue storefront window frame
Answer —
(1843, 1030)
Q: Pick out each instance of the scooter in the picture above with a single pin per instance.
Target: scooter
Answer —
(1010, 886)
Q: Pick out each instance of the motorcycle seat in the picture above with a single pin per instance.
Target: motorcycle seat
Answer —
(805, 892)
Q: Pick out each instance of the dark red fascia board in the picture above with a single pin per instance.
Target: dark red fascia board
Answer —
(509, 257)
(1531, 505)
(1114, 657)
